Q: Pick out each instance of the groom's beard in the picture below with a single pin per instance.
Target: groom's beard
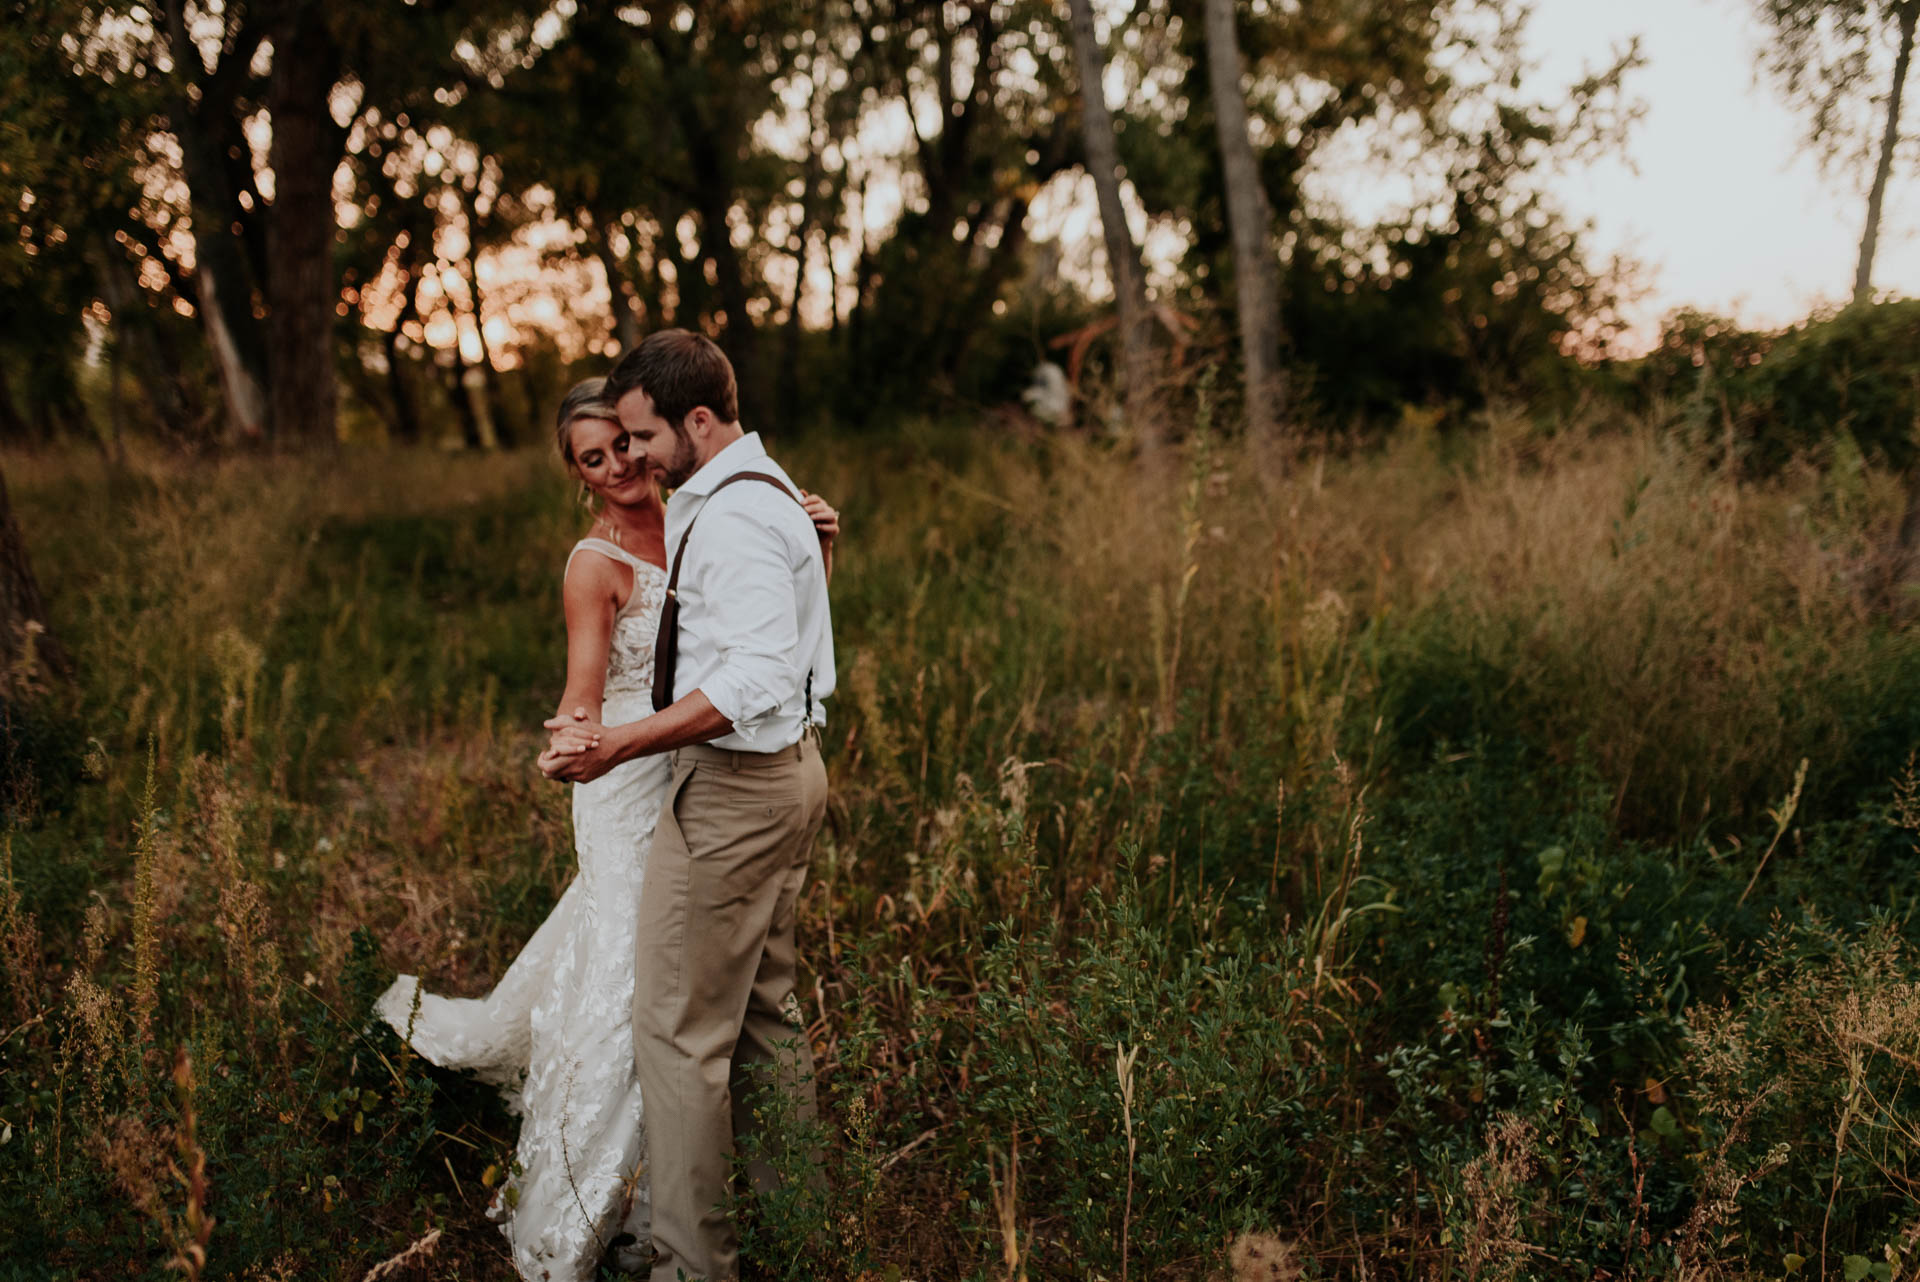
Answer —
(679, 469)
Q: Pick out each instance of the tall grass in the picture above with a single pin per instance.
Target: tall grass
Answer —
(1233, 871)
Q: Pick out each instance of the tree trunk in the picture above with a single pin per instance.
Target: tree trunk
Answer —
(23, 613)
(224, 292)
(134, 332)
(223, 282)
(1123, 259)
(790, 336)
(620, 292)
(471, 434)
(862, 283)
(497, 416)
(964, 321)
(711, 145)
(649, 294)
(960, 324)
(1889, 138)
(833, 282)
(689, 277)
(300, 228)
(1250, 220)
(406, 419)
(241, 380)
(455, 374)
(741, 341)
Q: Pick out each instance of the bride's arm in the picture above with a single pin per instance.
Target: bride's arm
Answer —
(590, 593)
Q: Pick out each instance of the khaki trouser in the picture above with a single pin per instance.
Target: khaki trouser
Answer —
(714, 974)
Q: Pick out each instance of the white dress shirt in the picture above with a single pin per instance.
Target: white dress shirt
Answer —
(753, 601)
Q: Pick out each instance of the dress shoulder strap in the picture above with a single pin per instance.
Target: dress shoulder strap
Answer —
(614, 552)
(604, 547)
(610, 549)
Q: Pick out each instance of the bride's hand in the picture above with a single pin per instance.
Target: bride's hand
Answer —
(573, 748)
(576, 731)
(826, 521)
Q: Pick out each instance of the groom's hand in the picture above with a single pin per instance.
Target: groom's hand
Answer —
(575, 749)
(583, 766)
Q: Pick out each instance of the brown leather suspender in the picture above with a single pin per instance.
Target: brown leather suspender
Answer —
(666, 648)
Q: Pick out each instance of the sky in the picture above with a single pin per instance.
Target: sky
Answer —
(1715, 196)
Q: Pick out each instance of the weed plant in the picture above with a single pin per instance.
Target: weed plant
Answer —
(1491, 856)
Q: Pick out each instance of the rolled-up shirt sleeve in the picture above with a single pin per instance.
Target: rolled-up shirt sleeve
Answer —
(747, 590)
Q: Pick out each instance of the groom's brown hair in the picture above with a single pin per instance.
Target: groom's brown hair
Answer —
(681, 371)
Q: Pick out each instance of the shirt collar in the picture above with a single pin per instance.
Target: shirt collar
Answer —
(734, 458)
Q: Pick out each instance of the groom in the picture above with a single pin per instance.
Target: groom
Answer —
(714, 972)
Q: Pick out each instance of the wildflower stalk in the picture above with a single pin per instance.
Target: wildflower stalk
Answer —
(1123, 1070)
(146, 900)
(190, 1256)
(1781, 818)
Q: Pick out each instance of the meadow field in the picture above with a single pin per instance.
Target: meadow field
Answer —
(1487, 855)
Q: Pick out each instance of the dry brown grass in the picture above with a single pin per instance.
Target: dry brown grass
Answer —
(1650, 611)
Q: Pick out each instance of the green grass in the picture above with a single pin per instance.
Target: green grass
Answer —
(1332, 864)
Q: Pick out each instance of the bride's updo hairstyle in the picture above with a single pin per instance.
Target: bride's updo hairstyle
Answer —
(585, 399)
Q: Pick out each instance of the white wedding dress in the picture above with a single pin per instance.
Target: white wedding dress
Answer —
(556, 1033)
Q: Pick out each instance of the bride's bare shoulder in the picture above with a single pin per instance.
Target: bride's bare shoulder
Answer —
(595, 576)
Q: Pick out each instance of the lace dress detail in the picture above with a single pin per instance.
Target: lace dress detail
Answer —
(556, 1033)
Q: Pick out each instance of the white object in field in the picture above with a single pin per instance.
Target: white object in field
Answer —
(1047, 396)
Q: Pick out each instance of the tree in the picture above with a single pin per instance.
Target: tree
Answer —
(256, 260)
(301, 288)
(982, 86)
(227, 213)
(1123, 259)
(69, 160)
(1828, 58)
(1250, 221)
(1477, 285)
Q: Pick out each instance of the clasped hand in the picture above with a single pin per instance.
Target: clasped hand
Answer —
(576, 749)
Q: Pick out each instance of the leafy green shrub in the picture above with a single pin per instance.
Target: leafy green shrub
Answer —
(1163, 1090)
(1803, 1086)
(1852, 373)
(1857, 371)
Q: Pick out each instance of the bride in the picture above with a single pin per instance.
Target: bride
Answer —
(556, 1033)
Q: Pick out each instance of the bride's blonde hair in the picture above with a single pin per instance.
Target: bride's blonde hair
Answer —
(585, 399)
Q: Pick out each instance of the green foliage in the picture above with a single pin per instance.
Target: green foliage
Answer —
(1803, 1082)
(1135, 1064)
(1830, 387)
